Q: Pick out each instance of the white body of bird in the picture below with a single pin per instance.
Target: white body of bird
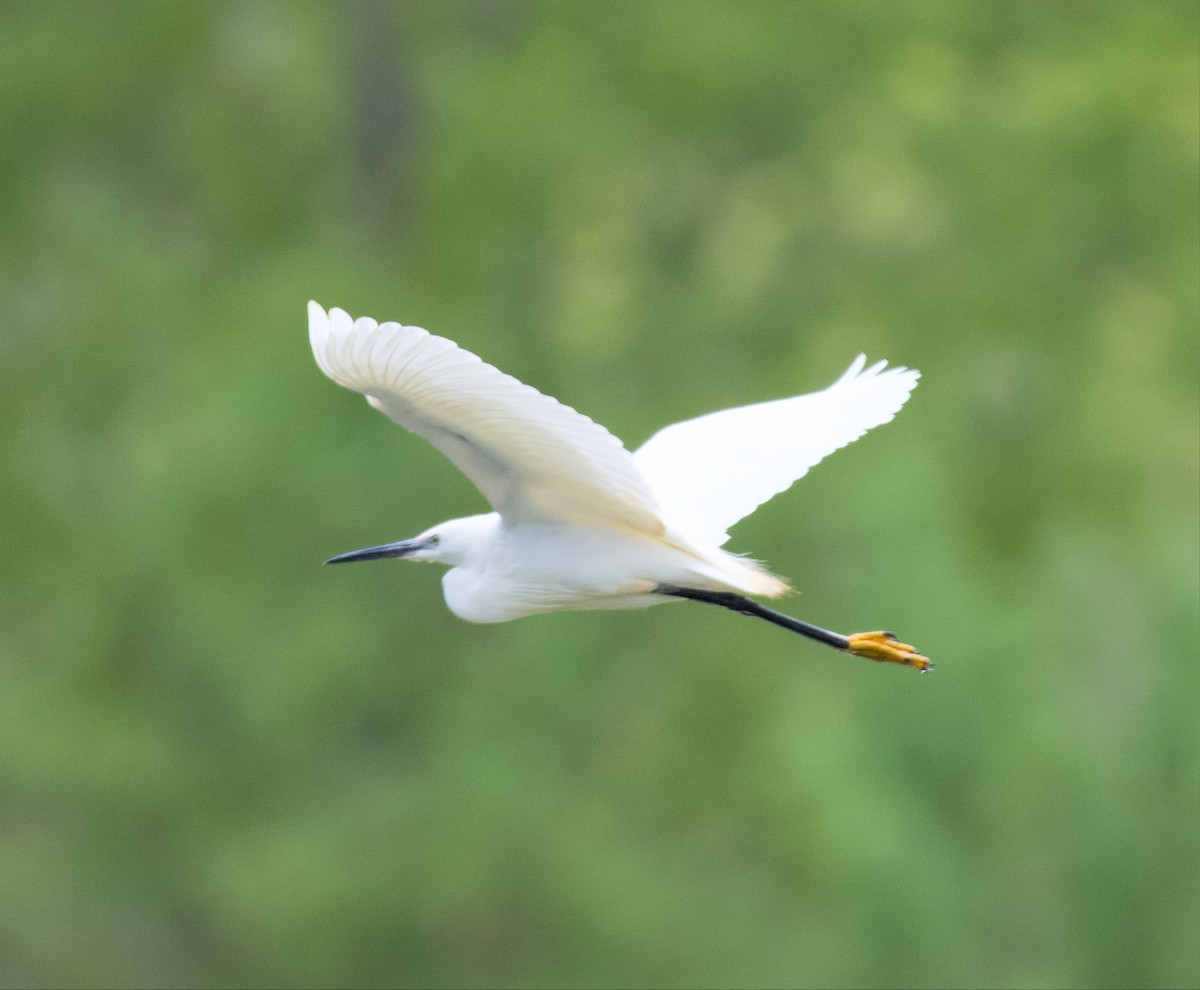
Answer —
(579, 522)
(504, 572)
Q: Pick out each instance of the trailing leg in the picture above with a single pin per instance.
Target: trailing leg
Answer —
(879, 646)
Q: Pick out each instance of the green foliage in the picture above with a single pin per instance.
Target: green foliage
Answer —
(221, 764)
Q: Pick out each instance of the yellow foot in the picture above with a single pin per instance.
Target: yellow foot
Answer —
(885, 648)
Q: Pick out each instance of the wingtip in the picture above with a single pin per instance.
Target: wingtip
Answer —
(318, 319)
(858, 369)
(318, 334)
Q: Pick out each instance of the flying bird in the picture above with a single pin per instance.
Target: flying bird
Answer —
(578, 521)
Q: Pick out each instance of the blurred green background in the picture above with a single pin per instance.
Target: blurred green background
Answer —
(222, 764)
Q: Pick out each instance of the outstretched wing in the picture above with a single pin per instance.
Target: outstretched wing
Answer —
(709, 472)
(534, 459)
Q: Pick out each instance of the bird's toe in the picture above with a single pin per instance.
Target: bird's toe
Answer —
(884, 647)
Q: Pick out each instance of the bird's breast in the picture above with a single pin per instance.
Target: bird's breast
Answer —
(471, 597)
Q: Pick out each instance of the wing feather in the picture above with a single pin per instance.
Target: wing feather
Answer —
(709, 472)
(533, 458)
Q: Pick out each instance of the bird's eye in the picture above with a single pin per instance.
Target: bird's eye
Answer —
(433, 541)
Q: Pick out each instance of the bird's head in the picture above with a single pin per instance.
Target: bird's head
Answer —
(455, 542)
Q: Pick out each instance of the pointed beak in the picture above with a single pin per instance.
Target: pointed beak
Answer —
(401, 549)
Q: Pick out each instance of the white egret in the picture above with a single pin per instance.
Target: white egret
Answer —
(579, 522)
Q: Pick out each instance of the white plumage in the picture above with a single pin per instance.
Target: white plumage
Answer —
(709, 472)
(579, 521)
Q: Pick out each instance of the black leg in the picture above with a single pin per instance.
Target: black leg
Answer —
(747, 606)
(879, 646)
